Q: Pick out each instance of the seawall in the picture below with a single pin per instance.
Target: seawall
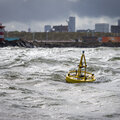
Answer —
(50, 44)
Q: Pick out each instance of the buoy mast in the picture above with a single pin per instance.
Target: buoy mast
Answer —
(81, 74)
(81, 66)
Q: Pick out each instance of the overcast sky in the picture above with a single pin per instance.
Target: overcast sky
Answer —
(21, 14)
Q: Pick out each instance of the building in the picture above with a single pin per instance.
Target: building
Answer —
(47, 28)
(102, 27)
(111, 39)
(29, 29)
(119, 22)
(1, 32)
(71, 24)
(115, 29)
(60, 28)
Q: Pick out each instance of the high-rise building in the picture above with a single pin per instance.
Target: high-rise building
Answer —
(47, 28)
(119, 22)
(71, 24)
(102, 27)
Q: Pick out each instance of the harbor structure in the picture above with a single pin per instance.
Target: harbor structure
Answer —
(2, 32)
(102, 27)
(71, 24)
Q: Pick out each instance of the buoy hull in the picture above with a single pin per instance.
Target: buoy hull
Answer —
(75, 79)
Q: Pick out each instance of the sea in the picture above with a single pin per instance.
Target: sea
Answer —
(33, 86)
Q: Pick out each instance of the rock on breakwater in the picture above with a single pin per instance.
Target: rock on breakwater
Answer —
(20, 43)
(51, 44)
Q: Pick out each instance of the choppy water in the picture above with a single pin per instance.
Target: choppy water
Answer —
(33, 87)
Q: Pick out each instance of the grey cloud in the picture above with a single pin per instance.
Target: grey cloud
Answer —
(45, 10)
(97, 8)
(30, 10)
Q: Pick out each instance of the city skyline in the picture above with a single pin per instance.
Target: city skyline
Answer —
(23, 14)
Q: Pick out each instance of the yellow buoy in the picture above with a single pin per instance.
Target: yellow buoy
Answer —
(80, 75)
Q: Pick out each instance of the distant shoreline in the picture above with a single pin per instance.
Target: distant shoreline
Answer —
(51, 44)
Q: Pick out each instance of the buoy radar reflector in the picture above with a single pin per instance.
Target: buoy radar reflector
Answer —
(80, 75)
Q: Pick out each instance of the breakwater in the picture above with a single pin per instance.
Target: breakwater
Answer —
(51, 44)
(19, 43)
